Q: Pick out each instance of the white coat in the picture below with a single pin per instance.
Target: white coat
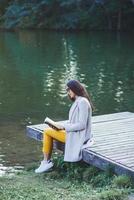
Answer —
(78, 129)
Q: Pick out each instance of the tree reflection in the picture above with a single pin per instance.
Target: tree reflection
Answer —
(35, 66)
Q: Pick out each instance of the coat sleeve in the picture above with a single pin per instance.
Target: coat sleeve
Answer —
(62, 123)
(83, 116)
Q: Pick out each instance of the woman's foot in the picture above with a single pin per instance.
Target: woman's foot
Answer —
(44, 166)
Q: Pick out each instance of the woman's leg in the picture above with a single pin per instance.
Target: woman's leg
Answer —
(48, 136)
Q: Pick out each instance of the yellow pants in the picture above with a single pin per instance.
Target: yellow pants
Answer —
(49, 135)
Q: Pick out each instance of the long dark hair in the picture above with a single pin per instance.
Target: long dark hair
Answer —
(79, 90)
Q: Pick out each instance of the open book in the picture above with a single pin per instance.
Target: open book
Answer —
(53, 124)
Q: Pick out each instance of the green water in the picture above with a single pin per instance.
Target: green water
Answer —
(34, 69)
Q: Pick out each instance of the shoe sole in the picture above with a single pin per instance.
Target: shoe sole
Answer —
(48, 170)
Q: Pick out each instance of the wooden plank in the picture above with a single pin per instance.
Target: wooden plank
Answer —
(128, 161)
(111, 156)
(115, 160)
(115, 121)
(132, 167)
(109, 143)
(115, 151)
(111, 117)
(119, 155)
(109, 132)
(40, 127)
(129, 165)
(120, 125)
(104, 163)
(112, 146)
(34, 133)
(131, 159)
(125, 162)
(114, 135)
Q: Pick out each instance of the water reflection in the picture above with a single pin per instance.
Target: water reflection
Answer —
(35, 67)
(70, 60)
(10, 170)
(34, 70)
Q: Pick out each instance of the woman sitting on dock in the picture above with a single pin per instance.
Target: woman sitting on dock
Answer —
(75, 132)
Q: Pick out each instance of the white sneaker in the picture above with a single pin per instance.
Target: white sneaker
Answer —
(44, 166)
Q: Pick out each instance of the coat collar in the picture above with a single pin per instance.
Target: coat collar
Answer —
(77, 98)
(76, 101)
(74, 105)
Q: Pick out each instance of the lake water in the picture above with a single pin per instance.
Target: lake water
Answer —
(34, 69)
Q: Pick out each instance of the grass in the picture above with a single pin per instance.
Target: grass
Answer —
(67, 181)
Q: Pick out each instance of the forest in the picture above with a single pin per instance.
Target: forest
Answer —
(113, 15)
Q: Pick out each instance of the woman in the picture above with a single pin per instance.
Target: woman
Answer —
(76, 131)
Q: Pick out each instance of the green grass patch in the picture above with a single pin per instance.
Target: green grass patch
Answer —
(68, 181)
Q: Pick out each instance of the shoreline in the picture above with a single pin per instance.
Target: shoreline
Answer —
(57, 185)
(16, 29)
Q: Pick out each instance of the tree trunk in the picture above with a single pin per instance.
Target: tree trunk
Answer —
(108, 17)
(119, 19)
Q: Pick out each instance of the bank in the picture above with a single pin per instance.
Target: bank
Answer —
(66, 181)
(67, 15)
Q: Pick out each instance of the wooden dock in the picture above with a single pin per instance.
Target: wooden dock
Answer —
(114, 142)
